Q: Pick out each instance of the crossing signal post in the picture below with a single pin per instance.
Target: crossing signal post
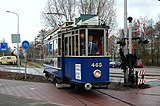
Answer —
(123, 58)
(129, 60)
(143, 42)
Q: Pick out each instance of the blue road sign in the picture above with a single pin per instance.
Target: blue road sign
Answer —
(3, 47)
(49, 47)
(25, 44)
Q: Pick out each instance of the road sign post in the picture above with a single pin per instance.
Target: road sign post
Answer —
(3, 47)
(16, 39)
(25, 45)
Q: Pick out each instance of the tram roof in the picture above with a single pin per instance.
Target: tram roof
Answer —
(82, 27)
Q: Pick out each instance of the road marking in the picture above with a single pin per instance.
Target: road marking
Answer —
(32, 88)
(149, 80)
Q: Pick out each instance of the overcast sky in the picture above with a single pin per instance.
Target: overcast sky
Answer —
(137, 9)
(30, 21)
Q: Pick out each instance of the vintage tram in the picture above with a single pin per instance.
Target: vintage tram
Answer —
(67, 59)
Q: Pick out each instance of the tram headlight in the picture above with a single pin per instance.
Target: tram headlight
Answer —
(97, 73)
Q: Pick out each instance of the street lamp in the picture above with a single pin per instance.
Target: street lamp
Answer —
(125, 35)
(17, 33)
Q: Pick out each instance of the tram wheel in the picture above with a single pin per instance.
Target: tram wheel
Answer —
(72, 86)
(47, 75)
(79, 88)
(58, 85)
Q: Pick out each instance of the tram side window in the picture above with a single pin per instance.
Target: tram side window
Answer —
(73, 46)
(76, 46)
(55, 48)
(48, 50)
(70, 45)
(66, 46)
(59, 46)
(82, 42)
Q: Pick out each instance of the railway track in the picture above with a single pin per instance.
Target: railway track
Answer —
(31, 69)
(121, 100)
(78, 99)
(96, 97)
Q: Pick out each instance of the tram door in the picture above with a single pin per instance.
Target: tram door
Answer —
(71, 47)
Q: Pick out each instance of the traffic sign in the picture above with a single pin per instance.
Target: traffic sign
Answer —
(15, 38)
(3, 47)
(25, 44)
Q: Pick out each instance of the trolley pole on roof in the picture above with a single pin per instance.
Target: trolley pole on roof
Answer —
(59, 14)
(56, 13)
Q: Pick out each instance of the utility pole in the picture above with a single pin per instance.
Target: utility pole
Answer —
(125, 35)
(18, 61)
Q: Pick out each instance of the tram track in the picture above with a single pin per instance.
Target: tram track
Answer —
(88, 98)
(115, 98)
(74, 96)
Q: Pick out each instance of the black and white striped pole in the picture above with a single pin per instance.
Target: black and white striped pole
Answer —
(130, 57)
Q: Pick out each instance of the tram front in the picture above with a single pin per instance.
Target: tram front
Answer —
(85, 59)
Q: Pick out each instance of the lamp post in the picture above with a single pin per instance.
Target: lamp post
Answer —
(125, 36)
(18, 62)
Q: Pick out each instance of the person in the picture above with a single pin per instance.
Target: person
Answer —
(92, 47)
(82, 49)
(99, 44)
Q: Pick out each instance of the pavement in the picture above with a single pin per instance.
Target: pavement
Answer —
(12, 100)
(8, 100)
(23, 93)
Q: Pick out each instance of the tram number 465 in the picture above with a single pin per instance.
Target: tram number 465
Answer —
(96, 64)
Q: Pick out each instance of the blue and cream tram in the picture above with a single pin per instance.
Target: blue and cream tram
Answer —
(67, 59)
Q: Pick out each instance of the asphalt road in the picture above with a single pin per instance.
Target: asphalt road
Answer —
(29, 70)
(152, 74)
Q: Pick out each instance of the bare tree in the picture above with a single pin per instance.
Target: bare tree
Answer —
(113, 47)
(157, 42)
(105, 9)
(58, 11)
(65, 10)
(39, 42)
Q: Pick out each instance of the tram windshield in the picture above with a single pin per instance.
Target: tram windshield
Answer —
(92, 44)
(84, 42)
